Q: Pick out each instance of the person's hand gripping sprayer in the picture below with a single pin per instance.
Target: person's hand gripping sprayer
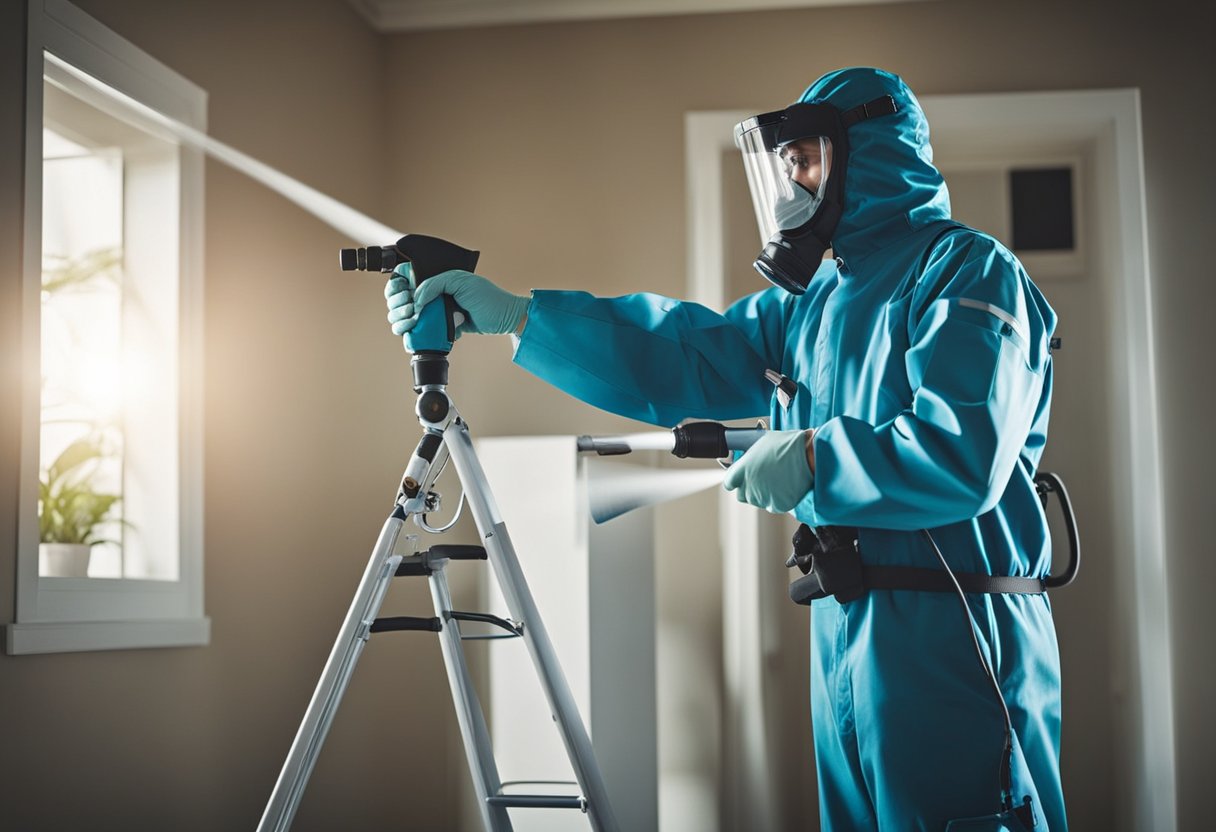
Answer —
(775, 474)
(491, 310)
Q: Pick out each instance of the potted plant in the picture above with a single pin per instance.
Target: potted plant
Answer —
(71, 511)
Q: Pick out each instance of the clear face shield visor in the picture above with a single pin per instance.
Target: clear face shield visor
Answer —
(787, 174)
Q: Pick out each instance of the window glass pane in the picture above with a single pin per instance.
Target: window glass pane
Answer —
(108, 453)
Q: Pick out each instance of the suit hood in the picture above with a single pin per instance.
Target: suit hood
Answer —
(891, 186)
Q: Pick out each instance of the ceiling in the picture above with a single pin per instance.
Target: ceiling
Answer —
(416, 15)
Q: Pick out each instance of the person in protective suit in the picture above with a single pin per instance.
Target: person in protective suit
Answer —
(914, 385)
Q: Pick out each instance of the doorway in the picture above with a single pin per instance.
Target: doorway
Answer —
(1117, 757)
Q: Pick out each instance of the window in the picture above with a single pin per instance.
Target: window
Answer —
(110, 532)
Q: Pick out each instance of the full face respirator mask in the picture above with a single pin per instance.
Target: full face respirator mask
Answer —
(795, 161)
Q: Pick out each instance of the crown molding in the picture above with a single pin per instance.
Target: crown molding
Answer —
(419, 15)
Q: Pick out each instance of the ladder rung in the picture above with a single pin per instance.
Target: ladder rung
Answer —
(406, 622)
(538, 801)
(457, 552)
(419, 565)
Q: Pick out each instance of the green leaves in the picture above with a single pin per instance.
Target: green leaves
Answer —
(70, 507)
(75, 272)
(70, 510)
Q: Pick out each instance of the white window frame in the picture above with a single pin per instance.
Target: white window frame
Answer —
(57, 614)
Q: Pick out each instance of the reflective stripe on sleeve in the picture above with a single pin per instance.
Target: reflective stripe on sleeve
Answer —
(995, 311)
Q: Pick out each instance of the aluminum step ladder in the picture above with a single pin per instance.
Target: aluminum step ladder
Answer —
(446, 437)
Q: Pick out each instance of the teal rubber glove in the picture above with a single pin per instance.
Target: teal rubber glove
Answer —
(491, 310)
(774, 474)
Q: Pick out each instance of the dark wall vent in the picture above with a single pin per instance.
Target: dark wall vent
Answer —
(1042, 209)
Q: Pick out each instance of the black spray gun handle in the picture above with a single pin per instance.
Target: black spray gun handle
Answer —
(428, 256)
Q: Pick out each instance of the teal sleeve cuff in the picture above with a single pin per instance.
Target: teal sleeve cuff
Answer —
(517, 337)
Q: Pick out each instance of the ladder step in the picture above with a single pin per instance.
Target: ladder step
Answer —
(406, 622)
(538, 801)
(419, 565)
(458, 552)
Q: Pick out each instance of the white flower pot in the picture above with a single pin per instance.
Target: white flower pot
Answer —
(64, 560)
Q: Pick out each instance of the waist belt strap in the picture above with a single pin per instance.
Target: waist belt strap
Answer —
(935, 580)
(807, 589)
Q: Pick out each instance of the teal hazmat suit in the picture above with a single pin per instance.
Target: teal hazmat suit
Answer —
(921, 358)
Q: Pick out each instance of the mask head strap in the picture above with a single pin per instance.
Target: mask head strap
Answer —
(884, 105)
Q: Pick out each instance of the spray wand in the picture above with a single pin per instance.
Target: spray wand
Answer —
(694, 440)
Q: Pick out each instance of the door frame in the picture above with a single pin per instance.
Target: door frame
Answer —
(1111, 120)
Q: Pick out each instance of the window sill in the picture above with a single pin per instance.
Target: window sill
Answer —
(74, 636)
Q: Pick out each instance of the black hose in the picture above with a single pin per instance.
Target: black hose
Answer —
(1046, 482)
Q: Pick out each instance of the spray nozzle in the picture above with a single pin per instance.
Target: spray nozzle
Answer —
(429, 256)
(371, 259)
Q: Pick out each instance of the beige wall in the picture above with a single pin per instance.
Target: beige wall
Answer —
(303, 450)
(557, 150)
